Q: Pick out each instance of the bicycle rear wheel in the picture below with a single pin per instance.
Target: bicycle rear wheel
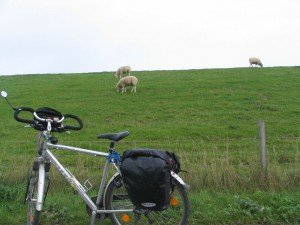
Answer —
(177, 213)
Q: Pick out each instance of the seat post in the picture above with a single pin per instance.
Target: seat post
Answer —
(112, 145)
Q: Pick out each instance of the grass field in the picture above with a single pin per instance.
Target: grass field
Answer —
(208, 117)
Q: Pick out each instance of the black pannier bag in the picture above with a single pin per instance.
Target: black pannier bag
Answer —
(146, 174)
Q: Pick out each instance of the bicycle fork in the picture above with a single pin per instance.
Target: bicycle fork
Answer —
(42, 169)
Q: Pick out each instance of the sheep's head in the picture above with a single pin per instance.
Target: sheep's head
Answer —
(118, 89)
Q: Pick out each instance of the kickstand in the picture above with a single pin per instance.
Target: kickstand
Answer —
(138, 214)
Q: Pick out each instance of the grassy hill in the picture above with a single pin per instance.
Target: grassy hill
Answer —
(208, 117)
(188, 104)
(203, 115)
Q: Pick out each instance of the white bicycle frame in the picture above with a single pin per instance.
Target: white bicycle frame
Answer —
(47, 156)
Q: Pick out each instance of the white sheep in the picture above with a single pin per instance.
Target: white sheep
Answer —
(255, 61)
(123, 70)
(127, 81)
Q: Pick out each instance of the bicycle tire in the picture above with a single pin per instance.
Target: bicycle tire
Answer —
(32, 214)
(177, 213)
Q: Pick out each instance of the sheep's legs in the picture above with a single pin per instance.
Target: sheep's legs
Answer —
(133, 89)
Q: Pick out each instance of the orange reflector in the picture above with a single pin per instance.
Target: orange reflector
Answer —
(174, 202)
(125, 218)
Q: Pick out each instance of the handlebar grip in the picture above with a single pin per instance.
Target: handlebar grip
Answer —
(75, 118)
(27, 109)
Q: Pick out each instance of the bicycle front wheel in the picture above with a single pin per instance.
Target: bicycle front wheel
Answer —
(32, 213)
(36, 193)
(176, 214)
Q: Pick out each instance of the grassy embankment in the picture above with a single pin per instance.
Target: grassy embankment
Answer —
(208, 117)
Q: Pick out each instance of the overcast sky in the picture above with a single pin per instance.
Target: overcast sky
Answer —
(73, 36)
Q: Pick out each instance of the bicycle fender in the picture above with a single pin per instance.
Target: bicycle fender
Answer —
(178, 178)
(108, 183)
(112, 178)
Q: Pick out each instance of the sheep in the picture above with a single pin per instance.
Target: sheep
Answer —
(255, 61)
(123, 70)
(127, 81)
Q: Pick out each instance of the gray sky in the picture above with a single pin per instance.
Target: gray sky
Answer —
(65, 36)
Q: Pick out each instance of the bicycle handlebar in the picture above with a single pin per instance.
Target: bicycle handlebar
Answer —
(27, 109)
(39, 123)
(46, 120)
(75, 118)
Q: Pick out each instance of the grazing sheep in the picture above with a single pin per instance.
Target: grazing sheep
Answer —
(123, 70)
(127, 81)
(255, 61)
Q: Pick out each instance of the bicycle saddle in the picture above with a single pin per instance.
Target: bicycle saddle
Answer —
(114, 136)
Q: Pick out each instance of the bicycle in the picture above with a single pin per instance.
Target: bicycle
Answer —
(112, 200)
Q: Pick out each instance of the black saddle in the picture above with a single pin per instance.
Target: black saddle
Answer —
(114, 136)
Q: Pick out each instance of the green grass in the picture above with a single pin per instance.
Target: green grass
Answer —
(247, 208)
(169, 104)
(208, 117)
(207, 207)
